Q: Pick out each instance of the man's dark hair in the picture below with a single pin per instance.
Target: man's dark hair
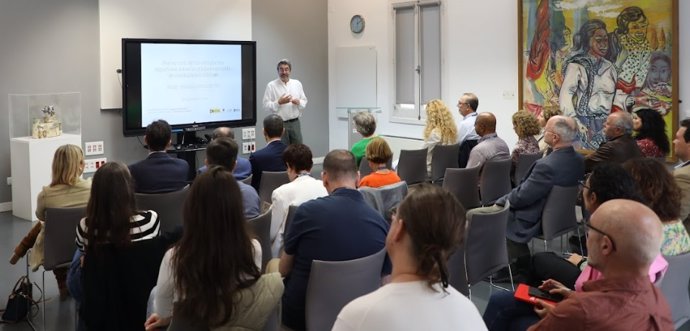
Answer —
(340, 164)
(223, 131)
(610, 181)
(273, 125)
(284, 62)
(686, 124)
(223, 152)
(158, 135)
(298, 157)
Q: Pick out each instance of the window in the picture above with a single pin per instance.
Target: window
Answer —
(417, 59)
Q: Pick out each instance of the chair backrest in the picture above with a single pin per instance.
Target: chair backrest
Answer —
(485, 243)
(261, 225)
(291, 214)
(558, 215)
(674, 285)
(412, 166)
(524, 162)
(464, 183)
(494, 181)
(443, 157)
(60, 232)
(168, 206)
(458, 272)
(248, 180)
(333, 284)
(385, 197)
(271, 180)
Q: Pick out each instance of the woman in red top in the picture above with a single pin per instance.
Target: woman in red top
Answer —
(378, 153)
(651, 133)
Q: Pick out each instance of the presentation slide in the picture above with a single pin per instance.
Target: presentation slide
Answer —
(191, 83)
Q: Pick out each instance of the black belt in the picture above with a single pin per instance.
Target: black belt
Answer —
(292, 120)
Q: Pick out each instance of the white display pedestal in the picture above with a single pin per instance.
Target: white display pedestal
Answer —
(31, 169)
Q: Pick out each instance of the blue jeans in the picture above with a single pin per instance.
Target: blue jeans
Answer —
(74, 277)
(504, 312)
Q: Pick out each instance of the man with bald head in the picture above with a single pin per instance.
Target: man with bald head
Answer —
(563, 167)
(490, 146)
(620, 145)
(624, 239)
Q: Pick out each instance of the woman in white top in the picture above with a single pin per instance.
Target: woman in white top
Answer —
(440, 128)
(212, 276)
(427, 228)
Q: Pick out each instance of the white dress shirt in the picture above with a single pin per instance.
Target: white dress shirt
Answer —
(276, 89)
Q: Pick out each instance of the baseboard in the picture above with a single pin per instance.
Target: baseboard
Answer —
(5, 206)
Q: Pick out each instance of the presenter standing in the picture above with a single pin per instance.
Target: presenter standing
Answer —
(285, 97)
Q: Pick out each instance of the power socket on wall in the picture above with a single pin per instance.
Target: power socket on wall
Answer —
(91, 165)
(248, 147)
(93, 148)
(248, 133)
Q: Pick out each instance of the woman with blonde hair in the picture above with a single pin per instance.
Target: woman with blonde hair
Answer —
(378, 155)
(66, 190)
(440, 128)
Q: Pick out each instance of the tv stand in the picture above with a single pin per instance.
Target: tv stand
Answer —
(186, 146)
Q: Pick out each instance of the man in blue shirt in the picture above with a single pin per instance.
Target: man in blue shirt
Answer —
(338, 227)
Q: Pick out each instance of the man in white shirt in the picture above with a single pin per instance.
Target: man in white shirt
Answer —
(467, 136)
(285, 97)
(302, 187)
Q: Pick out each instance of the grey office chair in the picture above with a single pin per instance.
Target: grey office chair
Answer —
(412, 166)
(443, 157)
(333, 284)
(464, 184)
(261, 225)
(558, 216)
(524, 163)
(168, 206)
(271, 180)
(674, 285)
(458, 272)
(494, 181)
(384, 198)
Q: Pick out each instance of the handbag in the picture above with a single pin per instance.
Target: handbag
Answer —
(19, 301)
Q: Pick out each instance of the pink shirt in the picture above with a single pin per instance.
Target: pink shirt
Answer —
(656, 270)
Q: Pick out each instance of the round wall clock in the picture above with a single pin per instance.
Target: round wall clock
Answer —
(357, 24)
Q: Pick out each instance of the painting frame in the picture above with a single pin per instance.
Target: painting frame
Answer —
(533, 92)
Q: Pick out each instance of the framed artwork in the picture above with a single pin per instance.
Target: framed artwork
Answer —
(586, 59)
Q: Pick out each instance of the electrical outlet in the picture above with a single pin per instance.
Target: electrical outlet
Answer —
(91, 165)
(246, 148)
(248, 133)
(9, 181)
(93, 148)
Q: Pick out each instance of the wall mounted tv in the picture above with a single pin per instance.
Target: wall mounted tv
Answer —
(192, 84)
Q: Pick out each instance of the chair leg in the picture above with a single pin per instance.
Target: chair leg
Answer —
(469, 290)
(546, 248)
(510, 272)
(580, 241)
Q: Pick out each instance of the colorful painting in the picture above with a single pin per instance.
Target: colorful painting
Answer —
(588, 58)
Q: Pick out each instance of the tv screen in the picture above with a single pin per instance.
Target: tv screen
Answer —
(192, 84)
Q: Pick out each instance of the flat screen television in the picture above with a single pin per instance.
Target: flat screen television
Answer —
(192, 84)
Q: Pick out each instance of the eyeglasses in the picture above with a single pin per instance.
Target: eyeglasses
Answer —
(583, 183)
(588, 226)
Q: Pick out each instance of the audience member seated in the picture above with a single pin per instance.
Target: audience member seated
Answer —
(681, 173)
(159, 172)
(111, 217)
(378, 155)
(243, 168)
(223, 152)
(526, 127)
(428, 227)
(302, 187)
(619, 147)
(544, 116)
(624, 239)
(269, 158)
(365, 124)
(440, 129)
(661, 193)
(337, 227)
(650, 131)
(67, 189)
(204, 292)
(490, 146)
(467, 137)
(563, 167)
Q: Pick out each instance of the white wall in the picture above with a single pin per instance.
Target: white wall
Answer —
(175, 19)
(479, 54)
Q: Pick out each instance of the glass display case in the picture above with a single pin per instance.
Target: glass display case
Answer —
(40, 115)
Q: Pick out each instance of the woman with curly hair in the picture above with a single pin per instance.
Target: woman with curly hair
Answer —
(526, 127)
(440, 128)
(651, 133)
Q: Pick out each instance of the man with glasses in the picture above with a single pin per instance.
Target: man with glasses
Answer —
(624, 238)
(620, 145)
(467, 136)
(563, 167)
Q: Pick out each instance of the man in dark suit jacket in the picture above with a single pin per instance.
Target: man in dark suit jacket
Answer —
(269, 158)
(159, 172)
(620, 146)
(563, 167)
